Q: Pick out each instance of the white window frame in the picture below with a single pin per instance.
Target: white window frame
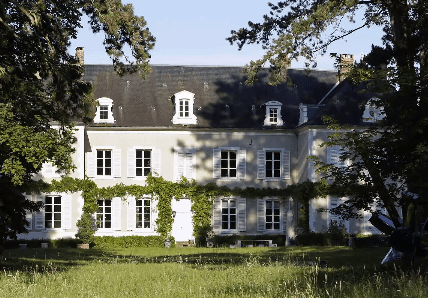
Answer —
(270, 106)
(40, 216)
(143, 200)
(104, 102)
(261, 216)
(241, 215)
(103, 214)
(180, 98)
(116, 167)
(155, 162)
(240, 163)
(184, 163)
(285, 164)
(132, 214)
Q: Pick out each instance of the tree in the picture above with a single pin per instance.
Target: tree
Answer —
(389, 159)
(40, 85)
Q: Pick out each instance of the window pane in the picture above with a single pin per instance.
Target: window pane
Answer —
(232, 173)
(100, 153)
(233, 225)
(48, 200)
(107, 154)
(139, 153)
(57, 224)
(139, 172)
(108, 171)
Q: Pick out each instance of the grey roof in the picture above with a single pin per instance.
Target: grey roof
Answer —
(222, 100)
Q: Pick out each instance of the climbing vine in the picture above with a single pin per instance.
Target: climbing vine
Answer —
(164, 191)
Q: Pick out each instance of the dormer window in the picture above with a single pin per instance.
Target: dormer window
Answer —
(104, 112)
(184, 101)
(373, 112)
(273, 114)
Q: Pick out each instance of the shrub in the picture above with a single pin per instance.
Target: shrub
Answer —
(226, 240)
(129, 241)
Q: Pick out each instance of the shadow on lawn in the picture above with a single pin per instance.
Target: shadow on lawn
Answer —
(47, 260)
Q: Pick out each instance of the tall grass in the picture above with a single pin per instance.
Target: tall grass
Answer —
(203, 272)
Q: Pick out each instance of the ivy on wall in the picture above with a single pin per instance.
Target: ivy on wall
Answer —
(164, 191)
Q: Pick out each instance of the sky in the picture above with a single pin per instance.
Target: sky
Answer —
(195, 32)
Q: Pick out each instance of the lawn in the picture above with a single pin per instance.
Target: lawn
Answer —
(207, 272)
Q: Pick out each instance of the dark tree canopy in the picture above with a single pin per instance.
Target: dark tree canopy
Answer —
(40, 85)
(390, 160)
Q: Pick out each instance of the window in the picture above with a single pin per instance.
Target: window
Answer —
(229, 163)
(104, 213)
(53, 212)
(373, 112)
(334, 154)
(143, 162)
(104, 164)
(143, 213)
(273, 215)
(184, 108)
(183, 102)
(55, 215)
(273, 114)
(184, 163)
(104, 113)
(228, 214)
(273, 164)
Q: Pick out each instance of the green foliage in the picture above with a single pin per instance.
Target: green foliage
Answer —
(110, 242)
(336, 235)
(41, 90)
(226, 240)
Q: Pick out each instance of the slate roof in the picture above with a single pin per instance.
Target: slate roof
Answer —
(222, 100)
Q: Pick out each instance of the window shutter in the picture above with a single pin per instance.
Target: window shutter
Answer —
(261, 215)
(29, 215)
(66, 211)
(284, 215)
(242, 214)
(116, 212)
(130, 172)
(242, 166)
(333, 156)
(190, 164)
(217, 215)
(156, 162)
(154, 214)
(91, 168)
(216, 163)
(39, 217)
(179, 161)
(117, 155)
(131, 220)
(286, 164)
(261, 164)
(47, 169)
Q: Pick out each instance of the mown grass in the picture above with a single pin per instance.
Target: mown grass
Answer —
(207, 272)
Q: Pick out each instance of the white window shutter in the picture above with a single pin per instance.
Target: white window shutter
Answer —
(117, 165)
(131, 164)
(47, 169)
(156, 162)
(242, 165)
(217, 215)
(261, 164)
(284, 213)
(286, 164)
(216, 163)
(39, 217)
(66, 211)
(333, 156)
(131, 216)
(190, 164)
(179, 162)
(116, 212)
(29, 215)
(242, 214)
(91, 167)
(261, 215)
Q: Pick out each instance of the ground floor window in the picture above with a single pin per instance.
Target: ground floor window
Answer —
(143, 213)
(104, 214)
(228, 214)
(53, 212)
(273, 215)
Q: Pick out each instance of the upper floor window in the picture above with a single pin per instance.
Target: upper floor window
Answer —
(184, 101)
(104, 112)
(273, 164)
(104, 163)
(273, 114)
(143, 161)
(229, 163)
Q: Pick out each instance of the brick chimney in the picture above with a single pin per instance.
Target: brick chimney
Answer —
(80, 56)
(346, 61)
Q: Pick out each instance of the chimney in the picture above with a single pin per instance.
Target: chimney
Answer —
(346, 61)
(80, 56)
